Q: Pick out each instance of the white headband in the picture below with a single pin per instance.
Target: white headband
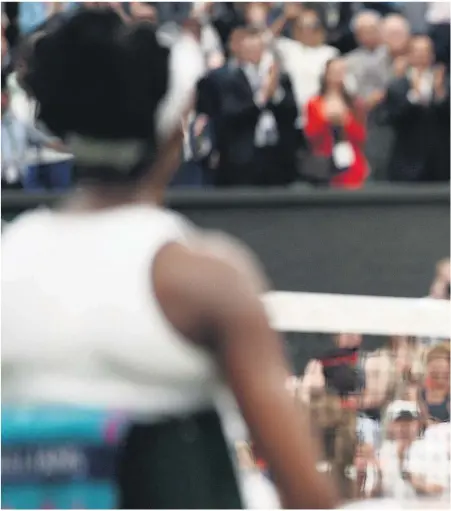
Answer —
(93, 152)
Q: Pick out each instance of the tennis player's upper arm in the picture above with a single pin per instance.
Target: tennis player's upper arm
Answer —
(207, 299)
(199, 288)
(211, 302)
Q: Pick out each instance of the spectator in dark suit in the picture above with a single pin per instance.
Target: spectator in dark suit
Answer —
(418, 109)
(208, 100)
(251, 104)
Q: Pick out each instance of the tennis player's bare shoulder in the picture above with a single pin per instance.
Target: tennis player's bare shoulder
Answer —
(196, 282)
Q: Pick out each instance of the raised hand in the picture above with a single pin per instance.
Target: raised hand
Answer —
(292, 10)
(314, 377)
(272, 82)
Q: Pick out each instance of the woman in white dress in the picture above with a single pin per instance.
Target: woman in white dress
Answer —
(113, 302)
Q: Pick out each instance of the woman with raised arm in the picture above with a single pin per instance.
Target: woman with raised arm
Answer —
(114, 302)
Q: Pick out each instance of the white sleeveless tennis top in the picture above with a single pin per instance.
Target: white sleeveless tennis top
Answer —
(80, 321)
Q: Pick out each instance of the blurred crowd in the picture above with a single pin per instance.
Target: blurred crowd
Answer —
(333, 94)
(383, 416)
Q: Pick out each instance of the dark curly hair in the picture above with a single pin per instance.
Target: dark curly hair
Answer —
(100, 79)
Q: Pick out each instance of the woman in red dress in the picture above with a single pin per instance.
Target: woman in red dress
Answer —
(335, 126)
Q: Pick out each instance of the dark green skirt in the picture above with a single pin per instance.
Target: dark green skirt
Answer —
(177, 464)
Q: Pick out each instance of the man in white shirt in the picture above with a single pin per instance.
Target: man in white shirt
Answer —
(304, 58)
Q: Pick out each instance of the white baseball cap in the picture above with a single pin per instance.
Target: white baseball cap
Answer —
(400, 409)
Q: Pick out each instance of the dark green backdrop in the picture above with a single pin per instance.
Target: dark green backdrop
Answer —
(384, 240)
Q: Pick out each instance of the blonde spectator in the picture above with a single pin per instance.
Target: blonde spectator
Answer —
(435, 394)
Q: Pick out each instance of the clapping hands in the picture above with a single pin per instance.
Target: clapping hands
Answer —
(335, 110)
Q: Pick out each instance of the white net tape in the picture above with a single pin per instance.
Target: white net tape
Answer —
(332, 313)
